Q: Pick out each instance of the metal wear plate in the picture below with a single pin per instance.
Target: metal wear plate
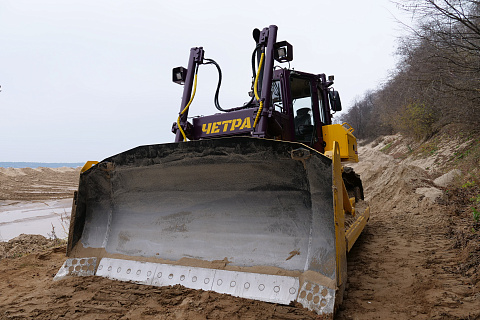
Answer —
(317, 298)
(77, 267)
(264, 287)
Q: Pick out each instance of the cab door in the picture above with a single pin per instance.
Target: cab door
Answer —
(307, 116)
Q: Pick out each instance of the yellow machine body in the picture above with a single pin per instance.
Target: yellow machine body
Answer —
(346, 140)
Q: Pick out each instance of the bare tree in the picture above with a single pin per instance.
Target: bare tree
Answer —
(364, 117)
(448, 33)
(437, 80)
(441, 58)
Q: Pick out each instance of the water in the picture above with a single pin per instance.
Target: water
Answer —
(34, 217)
(41, 164)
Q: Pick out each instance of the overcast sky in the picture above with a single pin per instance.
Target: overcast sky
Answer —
(84, 80)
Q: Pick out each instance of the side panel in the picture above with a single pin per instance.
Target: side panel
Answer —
(223, 124)
(347, 142)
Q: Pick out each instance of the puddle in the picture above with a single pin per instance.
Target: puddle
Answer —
(34, 217)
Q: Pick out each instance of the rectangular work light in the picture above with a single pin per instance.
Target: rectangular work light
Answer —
(283, 51)
(179, 75)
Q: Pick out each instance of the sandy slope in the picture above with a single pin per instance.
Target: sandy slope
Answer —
(404, 266)
(38, 184)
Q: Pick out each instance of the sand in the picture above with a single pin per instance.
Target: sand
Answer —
(38, 184)
(405, 265)
(36, 201)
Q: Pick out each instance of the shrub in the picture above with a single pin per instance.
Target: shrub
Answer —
(417, 120)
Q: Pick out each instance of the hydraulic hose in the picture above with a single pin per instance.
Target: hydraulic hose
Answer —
(255, 90)
(217, 91)
(188, 105)
(254, 71)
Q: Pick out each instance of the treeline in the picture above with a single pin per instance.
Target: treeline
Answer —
(437, 80)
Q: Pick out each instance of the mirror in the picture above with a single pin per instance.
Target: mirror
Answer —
(335, 102)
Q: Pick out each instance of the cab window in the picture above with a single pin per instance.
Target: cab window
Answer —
(321, 107)
(302, 110)
(277, 98)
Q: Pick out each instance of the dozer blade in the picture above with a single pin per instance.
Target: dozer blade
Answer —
(249, 217)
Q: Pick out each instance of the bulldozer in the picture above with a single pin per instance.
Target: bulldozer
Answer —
(252, 201)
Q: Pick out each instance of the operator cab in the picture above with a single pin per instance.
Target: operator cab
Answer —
(301, 104)
(285, 104)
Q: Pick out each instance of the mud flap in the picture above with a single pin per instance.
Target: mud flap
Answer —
(253, 216)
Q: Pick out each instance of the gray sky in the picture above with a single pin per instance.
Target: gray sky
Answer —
(84, 80)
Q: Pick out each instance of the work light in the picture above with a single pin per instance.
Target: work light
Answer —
(283, 51)
(179, 74)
